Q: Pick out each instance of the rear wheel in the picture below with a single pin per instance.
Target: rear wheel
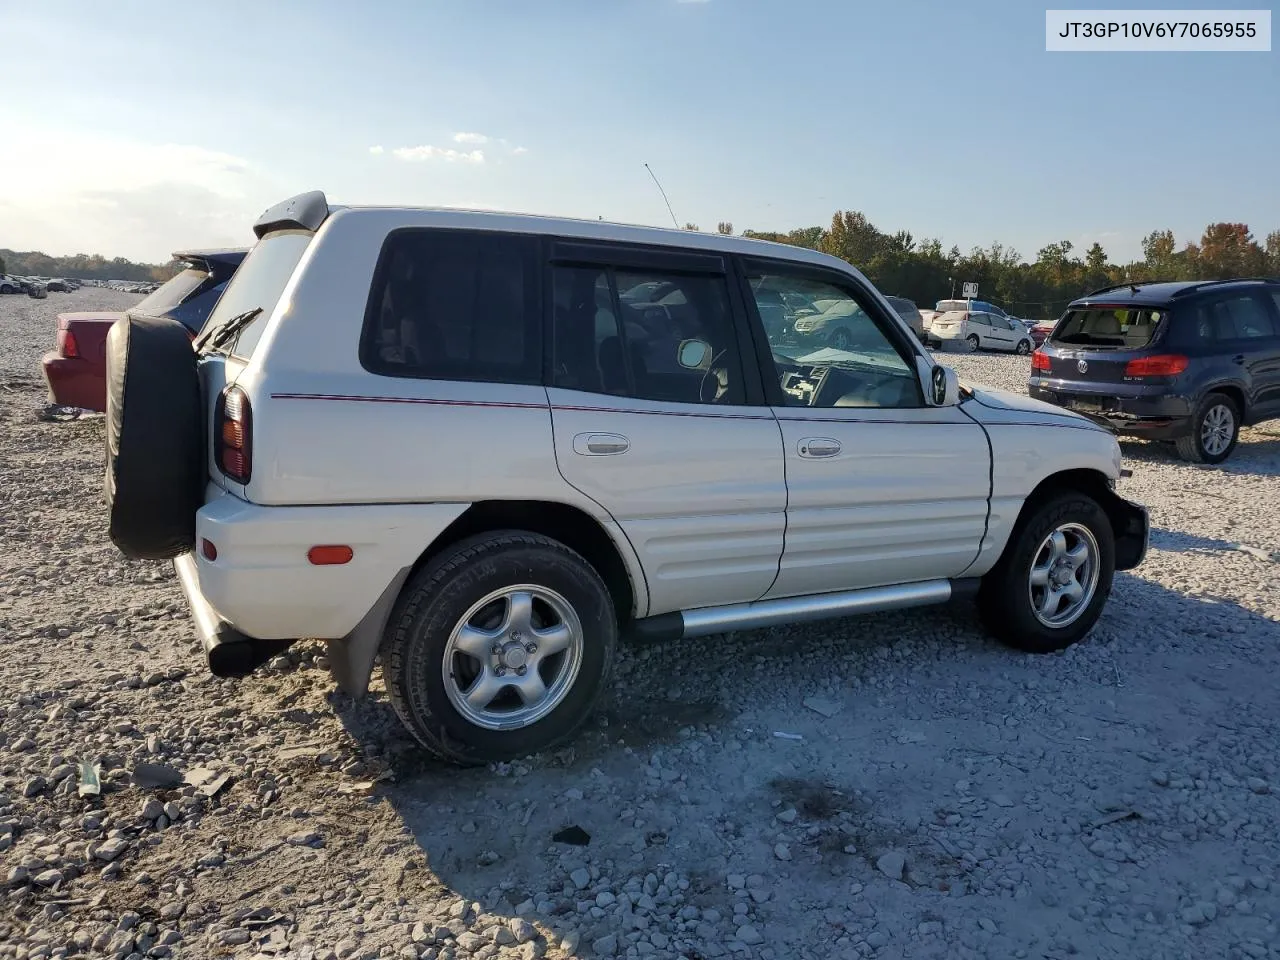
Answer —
(1215, 428)
(1048, 589)
(840, 339)
(499, 648)
(1023, 348)
(974, 342)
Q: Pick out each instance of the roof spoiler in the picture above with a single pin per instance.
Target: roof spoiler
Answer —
(306, 211)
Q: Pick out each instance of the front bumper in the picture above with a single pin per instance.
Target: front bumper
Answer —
(1157, 417)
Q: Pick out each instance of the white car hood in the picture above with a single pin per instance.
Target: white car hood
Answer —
(989, 405)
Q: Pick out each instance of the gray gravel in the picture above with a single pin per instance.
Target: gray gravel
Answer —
(894, 786)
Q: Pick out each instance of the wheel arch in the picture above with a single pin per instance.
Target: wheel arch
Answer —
(352, 657)
(1129, 521)
(1234, 392)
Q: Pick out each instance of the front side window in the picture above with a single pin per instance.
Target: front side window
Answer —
(454, 305)
(620, 331)
(838, 357)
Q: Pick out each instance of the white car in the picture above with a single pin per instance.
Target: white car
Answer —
(980, 325)
(482, 448)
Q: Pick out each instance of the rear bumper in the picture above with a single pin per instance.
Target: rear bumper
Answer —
(75, 382)
(262, 585)
(1156, 417)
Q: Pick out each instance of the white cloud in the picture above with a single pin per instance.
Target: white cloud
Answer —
(376, 151)
(69, 191)
(428, 152)
(520, 151)
(470, 138)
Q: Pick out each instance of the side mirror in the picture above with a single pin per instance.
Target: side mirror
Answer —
(694, 354)
(944, 387)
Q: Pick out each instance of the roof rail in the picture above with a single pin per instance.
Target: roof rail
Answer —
(1192, 288)
(1120, 286)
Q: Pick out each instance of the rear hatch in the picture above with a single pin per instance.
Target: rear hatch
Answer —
(1095, 344)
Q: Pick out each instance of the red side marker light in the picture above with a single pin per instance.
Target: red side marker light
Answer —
(329, 555)
(208, 549)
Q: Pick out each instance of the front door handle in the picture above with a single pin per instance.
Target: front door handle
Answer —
(600, 444)
(1238, 358)
(814, 448)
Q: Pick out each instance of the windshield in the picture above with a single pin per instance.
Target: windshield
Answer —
(171, 293)
(258, 282)
(1115, 328)
(945, 306)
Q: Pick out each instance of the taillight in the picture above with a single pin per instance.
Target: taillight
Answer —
(1160, 365)
(234, 439)
(67, 345)
(1039, 360)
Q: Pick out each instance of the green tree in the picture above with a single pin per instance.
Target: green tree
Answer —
(724, 228)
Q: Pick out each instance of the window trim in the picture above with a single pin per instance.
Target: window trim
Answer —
(534, 308)
(612, 257)
(854, 288)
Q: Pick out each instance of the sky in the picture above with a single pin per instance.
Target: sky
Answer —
(136, 128)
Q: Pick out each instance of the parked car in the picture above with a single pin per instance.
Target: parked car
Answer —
(1189, 362)
(909, 313)
(75, 369)
(312, 467)
(980, 325)
(1040, 331)
(54, 285)
(12, 285)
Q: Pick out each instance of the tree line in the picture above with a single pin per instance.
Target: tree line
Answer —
(81, 266)
(922, 271)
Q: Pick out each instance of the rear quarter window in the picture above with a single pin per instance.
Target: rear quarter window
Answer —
(455, 305)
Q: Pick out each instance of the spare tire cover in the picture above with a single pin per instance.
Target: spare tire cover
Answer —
(156, 469)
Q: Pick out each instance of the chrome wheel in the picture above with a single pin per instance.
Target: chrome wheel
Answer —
(1023, 348)
(1217, 430)
(974, 342)
(513, 657)
(1064, 575)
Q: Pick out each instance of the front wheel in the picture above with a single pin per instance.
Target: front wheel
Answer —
(1049, 587)
(1215, 428)
(499, 648)
(973, 341)
(839, 340)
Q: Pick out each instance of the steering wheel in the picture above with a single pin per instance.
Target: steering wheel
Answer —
(702, 384)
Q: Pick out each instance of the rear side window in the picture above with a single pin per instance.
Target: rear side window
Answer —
(1222, 319)
(618, 331)
(455, 305)
(1115, 328)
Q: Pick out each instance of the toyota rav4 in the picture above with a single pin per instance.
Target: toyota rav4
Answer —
(483, 448)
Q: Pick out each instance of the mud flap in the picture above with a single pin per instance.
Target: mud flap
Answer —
(351, 658)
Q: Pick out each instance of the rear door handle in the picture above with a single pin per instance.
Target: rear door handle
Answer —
(600, 444)
(814, 448)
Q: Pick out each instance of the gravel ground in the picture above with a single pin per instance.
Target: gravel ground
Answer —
(893, 786)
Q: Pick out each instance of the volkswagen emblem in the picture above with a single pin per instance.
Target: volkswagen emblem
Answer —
(1082, 366)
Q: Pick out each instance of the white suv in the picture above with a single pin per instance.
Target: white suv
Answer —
(484, 447)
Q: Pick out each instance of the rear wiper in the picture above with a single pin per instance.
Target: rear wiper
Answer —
(215, 337)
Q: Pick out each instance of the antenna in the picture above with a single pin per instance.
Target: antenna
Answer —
(664, 197)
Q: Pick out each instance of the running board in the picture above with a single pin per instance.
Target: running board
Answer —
(705, 621)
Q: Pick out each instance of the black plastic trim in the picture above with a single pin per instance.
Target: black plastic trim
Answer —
(659, 629)
(306, 211)
(623, 255)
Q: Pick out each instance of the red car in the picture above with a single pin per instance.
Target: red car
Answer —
(1040, 332)
(76, 370)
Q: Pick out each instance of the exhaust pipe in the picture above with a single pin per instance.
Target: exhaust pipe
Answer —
(230, 653)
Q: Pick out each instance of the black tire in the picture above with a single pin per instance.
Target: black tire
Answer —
(1023, 348)
(1005, 599)
(156, 469)
(974, 342)
(433, 605)
(839, 339)
(1192, 447)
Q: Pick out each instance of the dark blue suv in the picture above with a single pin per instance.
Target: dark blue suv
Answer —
(1190, 362)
